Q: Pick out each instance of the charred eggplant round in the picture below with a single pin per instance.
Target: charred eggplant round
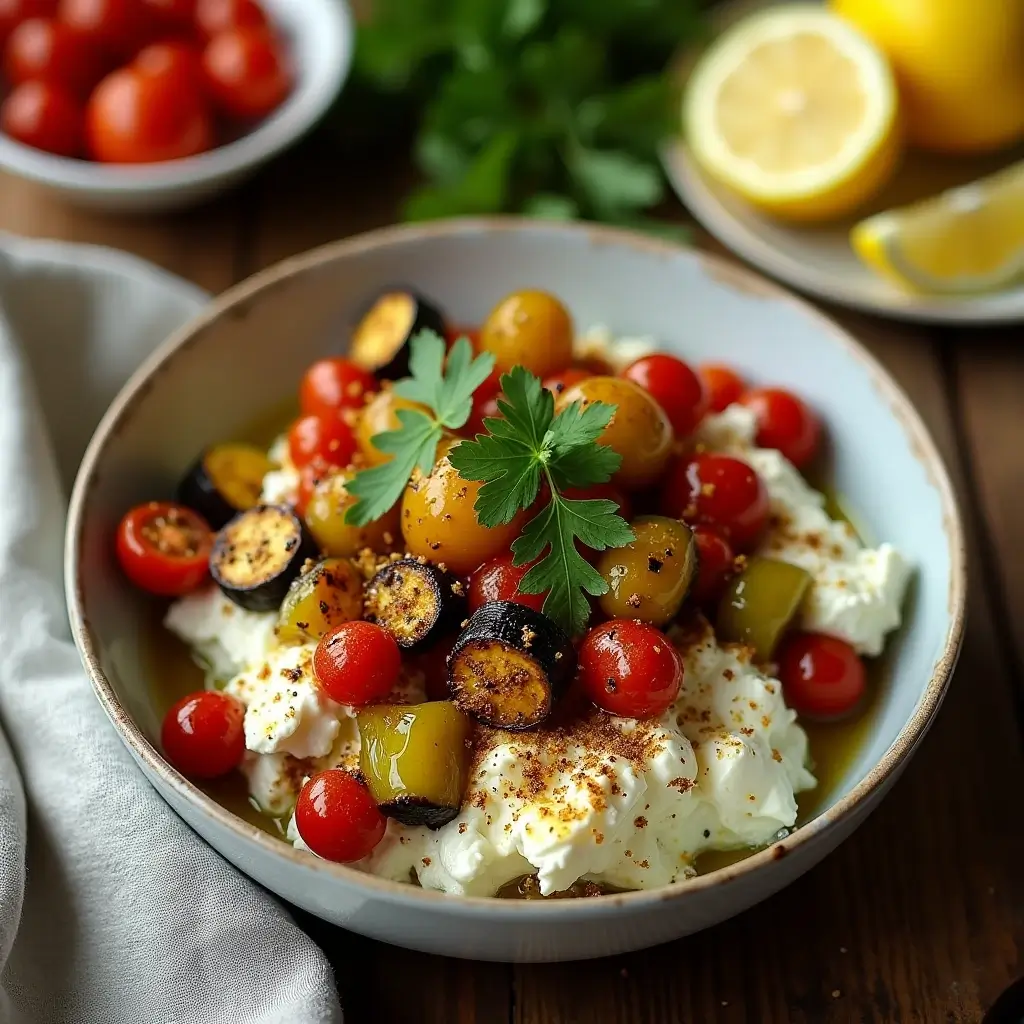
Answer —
(415, 759)
(509, 666)
(415, 601)
(225, 480)
(257, 555)
(380, 342)
(322, 597)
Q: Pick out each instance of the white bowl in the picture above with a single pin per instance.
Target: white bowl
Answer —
(319, 38)
(194, 389)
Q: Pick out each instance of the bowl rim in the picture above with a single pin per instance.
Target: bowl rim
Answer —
(400, 894)
(315, 88)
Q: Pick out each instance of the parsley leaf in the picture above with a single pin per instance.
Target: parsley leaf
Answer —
(446, 389)
(530, 445)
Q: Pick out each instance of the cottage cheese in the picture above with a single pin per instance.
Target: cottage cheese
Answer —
(280, 485)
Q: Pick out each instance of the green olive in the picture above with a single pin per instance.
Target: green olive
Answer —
(531, 329)
(649, 578)
(415, 760)
(329, 593)
(759, 604)
(325, 518)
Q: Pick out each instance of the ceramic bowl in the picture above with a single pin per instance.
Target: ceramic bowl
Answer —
(319, 37)
(247, 351)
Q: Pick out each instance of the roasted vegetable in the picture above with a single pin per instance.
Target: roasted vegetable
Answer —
(380, 342)
(258, 554)
(759, 604)
(225, 480)
(325, 517)
(509, 665)
(649, 578)
(415, 601)
(322, 597)
(415, 759)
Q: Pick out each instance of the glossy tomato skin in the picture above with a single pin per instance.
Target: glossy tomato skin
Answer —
(14, 12)
(245, 73)
(337, 818)
(203, 735)
(822, 677)
(172, 16)
(630, 669)
(46, 49)
(44, 116)
(329, 438)
(357, 663)
(722, 385)
(176, 59)
(213, 16)
(674, 386)
(164, 548)
(119, 27)
(721, 492)
(330, 385)
(716, 563)
(498, 580)
(785, 422)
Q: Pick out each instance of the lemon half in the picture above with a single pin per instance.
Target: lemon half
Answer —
(969, 239)
(796, 111)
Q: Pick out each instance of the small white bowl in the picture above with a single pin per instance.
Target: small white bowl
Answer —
(319, 36)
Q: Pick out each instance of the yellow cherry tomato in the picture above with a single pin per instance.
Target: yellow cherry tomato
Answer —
(531, 329)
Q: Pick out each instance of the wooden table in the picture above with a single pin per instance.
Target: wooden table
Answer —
(920, 916)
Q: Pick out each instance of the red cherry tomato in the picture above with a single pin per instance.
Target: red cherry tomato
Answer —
(452, 333)
(822, 677)
(203, 735)
(559, 382)
(485, 404)
(245, 72)
(328, 437)
(357, 663)
(213, 16)
(722, 385)
(45, 116)
(718, 491)
(715, 567)
(674, 386)
(120, 27)
(608, 491)
(786, 423)
(164, 548)
(498, 580)
(310, 475)
(47, 49)
(177, 60)
(337, 818)
(333, 384)
(630, 669)
(176, 16)
(14, 12)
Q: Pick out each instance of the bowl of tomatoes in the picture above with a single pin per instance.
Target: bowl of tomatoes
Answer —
(144, 105)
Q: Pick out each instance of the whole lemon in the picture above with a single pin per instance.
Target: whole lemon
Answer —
(959, 65)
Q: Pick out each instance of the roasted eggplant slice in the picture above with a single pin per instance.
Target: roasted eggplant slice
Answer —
(509, 665)
(258, 554)
(226, 479)
(415, 759)
(380, 342)
(415, 601)
(322, 597)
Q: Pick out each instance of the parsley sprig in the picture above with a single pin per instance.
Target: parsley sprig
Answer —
(532, 445)
(445, 388)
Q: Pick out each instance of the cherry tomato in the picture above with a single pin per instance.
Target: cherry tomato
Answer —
(164, 548)
(498, 580)
(328, 437)
(453, 333)
(608, 491)
(485, 404)
(213, 16)
(14, 12)
(716, 560)
(333, 384)
(203, 735)
(337, 818)
(674, 386)
(722, 385)
(45, 116)
(630, 669)
(559, 382)
(310, 475)
(176, 60)
(786, 423)
(718, 491)
(44, 48)
(120, 27)
(177, 16)
(245, 72)
(139, 115)
(357, 663)
(822, 677)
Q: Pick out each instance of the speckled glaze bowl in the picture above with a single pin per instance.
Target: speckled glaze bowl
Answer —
(247, 351)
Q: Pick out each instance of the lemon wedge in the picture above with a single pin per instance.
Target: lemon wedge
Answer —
(795, 110)
(968, 239)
